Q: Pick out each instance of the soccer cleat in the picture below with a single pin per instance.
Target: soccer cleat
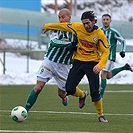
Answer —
(102, 119)
(128, 67)
(82, 100)
(65, 101)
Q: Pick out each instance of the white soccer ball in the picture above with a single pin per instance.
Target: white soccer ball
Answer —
(19, 114)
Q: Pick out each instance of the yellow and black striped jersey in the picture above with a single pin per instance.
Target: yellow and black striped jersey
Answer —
(92, 46)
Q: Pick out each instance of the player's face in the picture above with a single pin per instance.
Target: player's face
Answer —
(88, 24)
(106, 20)
(64, 17)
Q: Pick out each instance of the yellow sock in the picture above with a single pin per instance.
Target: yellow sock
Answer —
(99, 107)
(79, 93)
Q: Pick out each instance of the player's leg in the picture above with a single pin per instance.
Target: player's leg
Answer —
(119, 69)
(74, 77)
(60, 74)
(99, 108)
(62, 95)
(80, 93)
(32, 97)
(106, 72)
(94, 91)
(44, 75)
(103, 82)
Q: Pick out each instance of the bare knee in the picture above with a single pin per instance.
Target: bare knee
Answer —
(105, 75)
(39, 86)
(109, 75)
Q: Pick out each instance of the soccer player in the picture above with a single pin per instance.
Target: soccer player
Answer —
(113, 36)
(89, 59)
(57, 62)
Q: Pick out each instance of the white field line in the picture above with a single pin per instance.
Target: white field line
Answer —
(115, 91)
(75, 113)
(22, 131)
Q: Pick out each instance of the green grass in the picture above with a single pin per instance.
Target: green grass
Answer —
(118, 109)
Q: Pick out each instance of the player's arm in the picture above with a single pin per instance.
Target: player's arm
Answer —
(60, 43)
(123, 43)
(62, 26)
(104, 48)
(56, 42)
(56, 26)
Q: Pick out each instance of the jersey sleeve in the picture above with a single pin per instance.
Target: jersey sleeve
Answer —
(56, 42)
(70, 27)
(119, 37)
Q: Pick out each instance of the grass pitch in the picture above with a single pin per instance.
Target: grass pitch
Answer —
(49, 115)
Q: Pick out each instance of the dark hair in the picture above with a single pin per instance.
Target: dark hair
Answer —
(89, 15)
(106, 15)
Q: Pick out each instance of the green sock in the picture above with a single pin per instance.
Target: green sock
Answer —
(103, 86)
(31, 100)
(117, 70)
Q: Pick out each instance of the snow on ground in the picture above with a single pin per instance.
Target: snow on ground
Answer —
(16, 70)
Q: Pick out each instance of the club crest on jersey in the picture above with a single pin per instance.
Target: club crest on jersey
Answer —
(95, 39)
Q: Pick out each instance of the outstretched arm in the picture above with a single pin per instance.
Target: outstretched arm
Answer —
(56, 26)
(62, 26)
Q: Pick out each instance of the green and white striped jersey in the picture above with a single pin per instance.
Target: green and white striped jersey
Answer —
(58, 50)
(113, 36)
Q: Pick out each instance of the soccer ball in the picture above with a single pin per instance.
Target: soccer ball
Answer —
(19, 114)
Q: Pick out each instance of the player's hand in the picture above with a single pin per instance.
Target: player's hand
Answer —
(122, 54)
(74, 45)
(43, 31)
(72, 48)
(96, 69)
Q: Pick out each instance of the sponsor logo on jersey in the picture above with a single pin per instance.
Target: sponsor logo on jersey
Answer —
(87, 44)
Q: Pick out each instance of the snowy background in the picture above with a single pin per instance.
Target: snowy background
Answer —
(16, 64)
(16, 69)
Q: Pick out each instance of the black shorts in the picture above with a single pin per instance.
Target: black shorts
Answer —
(77, 72)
